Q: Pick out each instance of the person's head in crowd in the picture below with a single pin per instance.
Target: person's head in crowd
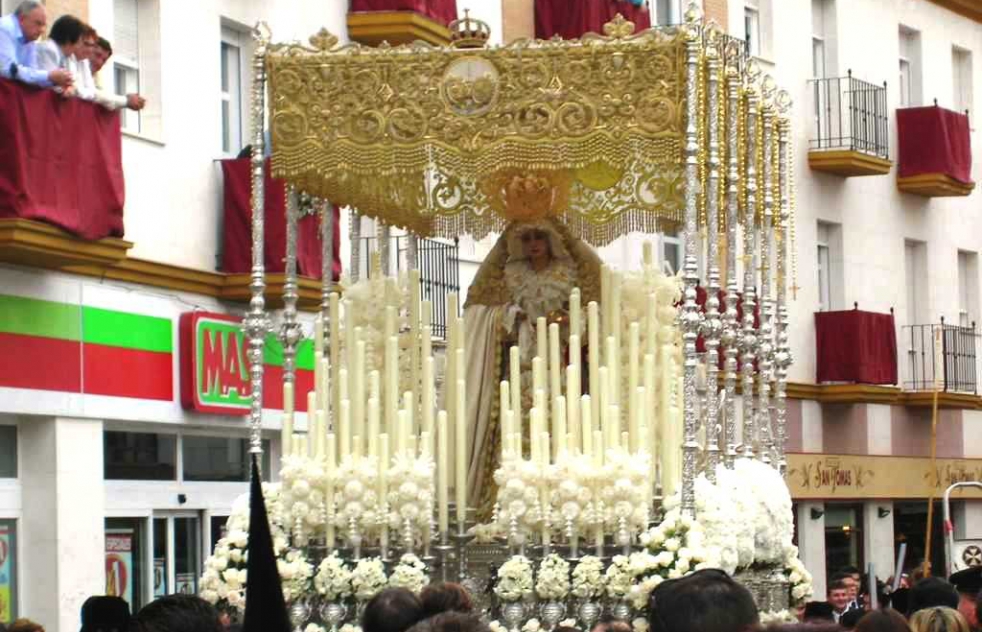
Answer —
(817, 612)
(938, 619)
(451, 622)
(392, 610)
(850, 618)
(931, 592)
(67, 33)
(177, 613)
(105, 614)
(705, 601)
(100, 54)
(445, 597)
(607, 623)
(25, 625)
(88, 44)
(851, 583)
(887, 620)
(838, 594)
(968, 583)
(33, 19)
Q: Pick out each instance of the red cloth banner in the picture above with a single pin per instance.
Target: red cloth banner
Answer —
(934, 140)
(855, 346)
(442, 11)
(570, 19)
(237, 255)
(60, 162)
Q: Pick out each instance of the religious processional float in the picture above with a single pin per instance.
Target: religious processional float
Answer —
(620, 452)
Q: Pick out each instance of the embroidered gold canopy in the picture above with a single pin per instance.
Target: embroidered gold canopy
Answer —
(431, 138)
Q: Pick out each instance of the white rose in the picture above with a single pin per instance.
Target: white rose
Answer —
(673, 544)
(682, 566)
(674, 573)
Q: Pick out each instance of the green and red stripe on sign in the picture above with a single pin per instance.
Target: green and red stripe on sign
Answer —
(79, 349)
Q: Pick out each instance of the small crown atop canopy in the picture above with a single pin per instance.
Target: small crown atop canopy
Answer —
(468, 32)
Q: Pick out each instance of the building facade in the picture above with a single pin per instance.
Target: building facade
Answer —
(107, 479)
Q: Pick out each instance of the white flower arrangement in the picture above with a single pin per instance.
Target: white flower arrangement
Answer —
(588, 579)
(411, 492)
(295, 574)
(640, 624)
(410, 573)
(622, 488)
(567, 623)
(618, 577)
(518, 496)
(552, 583)
(368, 578)
(302, 496)
(720, 521)
(572, 501)
(514, 579)
(313, 627)
(799, 577)
(532, 625)
(333, 579)
(770, 617)
(774, 522)
(355, 497)
(350, 627)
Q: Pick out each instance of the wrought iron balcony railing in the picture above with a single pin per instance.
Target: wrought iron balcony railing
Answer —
(849, 114)
(943, 355)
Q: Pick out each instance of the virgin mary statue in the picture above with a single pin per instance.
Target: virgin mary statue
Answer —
(530, 273)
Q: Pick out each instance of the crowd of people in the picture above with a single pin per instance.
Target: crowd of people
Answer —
(705, 601)
(67, 61)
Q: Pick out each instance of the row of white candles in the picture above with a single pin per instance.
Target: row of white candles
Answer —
(368, 420)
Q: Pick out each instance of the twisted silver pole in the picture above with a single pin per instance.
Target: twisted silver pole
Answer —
(354, 230)
(748, 341)
(713, 326)
(256, 323)
(731, 328)
(290, 329)
(766, 333)
(690, 317)
(783, 356)
(327, 254)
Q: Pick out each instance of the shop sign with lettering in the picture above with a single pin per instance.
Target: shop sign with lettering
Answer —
(214, 371)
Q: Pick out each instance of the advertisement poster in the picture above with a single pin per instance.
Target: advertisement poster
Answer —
(185, 584)
(159, 577)
(6, 574)
(119, 563)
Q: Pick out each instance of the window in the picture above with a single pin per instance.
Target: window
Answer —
(830, 274)
(664, 12)
(910, 67)
(915, 269)
(751, 26)
(218, 458)
(8, 571)
(961, 68)
(8, 452)
(136, 62)
(125, 542)
(968, 288)
(671, 251)
(843, 536)
(823, 31)
(140, 456)
(231, 84)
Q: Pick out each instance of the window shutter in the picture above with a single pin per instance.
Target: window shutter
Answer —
(126, 31)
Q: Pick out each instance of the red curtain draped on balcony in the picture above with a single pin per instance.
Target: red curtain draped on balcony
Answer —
(237, 254)
(442, 11)
(934, 140)
(855, 346)
(572, 18)
(60, 162)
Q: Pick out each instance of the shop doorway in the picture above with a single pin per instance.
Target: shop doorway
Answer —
(843, 536)
(910, 526)
(176, 552)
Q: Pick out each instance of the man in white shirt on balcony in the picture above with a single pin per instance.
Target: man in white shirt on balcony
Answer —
(18, 49)
(99, 55)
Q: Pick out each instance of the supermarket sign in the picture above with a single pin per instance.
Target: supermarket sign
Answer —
(214, 368)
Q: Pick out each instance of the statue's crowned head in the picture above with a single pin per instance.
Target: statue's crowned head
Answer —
(528, 195)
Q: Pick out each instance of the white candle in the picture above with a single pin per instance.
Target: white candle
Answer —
(575, 317)
(593, 349)
(665, 398)
(409, 405)
(651, 325)
(415, 361)
(543, 486)
(334, 311)
(358, 397)
(443, 475)
(559, 425)
(461, 450)
(391, 384)
(402, 433)
(535, 422)
(356, 443)
(573, 407)
(633, 371)
(605, 301)
(504, 399)
(320, 431)
(373, 420)
(331, 461)
(515, 376)
(650, 393)
(319, 334)
(344, 433)
(286, 430)
(613, 438)
(427, 398)
(539, 386)
(637, 420)
(541, 338)
(598, 448)
(647, 254)
(383, 480)
(555, 373)
(604, 402)
(323, 388)
(587, 417)
(613, 372)
(311, 412)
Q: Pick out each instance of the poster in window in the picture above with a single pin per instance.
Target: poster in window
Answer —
(6, 572)
(159, 577)
(185, 584)
(119, 563)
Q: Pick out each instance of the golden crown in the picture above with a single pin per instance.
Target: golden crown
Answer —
(468, 32)
(528, 195)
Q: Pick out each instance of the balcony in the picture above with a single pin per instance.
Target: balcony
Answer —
(850, 136)
(940, 357)
(372, 22)
(934, 152)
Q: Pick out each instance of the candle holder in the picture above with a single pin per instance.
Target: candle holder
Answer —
(354, 537)
(461, 541)
(408, 537)
(444, 552)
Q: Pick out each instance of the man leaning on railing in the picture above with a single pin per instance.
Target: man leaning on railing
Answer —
(18, 47)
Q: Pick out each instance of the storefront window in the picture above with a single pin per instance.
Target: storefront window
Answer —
(8, 571)
(843, 537)
(217, 530)
(159, 557)
(140, 456)
(910, 527)
(186, 551)
(218, 458)
(124, 559)
(8, 451)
